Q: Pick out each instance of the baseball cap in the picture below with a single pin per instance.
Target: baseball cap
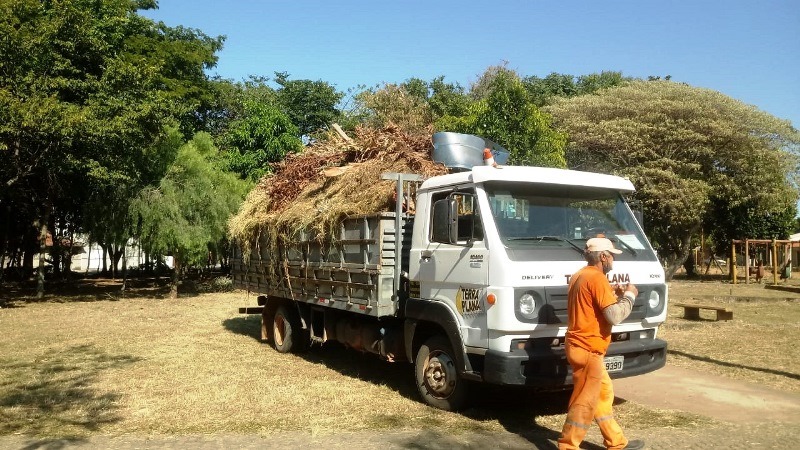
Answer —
(601, 245)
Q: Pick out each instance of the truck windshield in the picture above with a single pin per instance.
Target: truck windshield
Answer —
(537, 215)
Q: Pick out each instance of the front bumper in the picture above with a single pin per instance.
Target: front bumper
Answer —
(544, 366)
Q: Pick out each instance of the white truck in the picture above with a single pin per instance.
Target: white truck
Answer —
(466, 279)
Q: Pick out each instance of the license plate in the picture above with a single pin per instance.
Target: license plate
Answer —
(614, 363)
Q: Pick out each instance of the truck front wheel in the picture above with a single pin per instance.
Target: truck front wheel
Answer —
(286, 331)
(437, 375)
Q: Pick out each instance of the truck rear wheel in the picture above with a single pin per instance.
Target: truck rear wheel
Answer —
(437, 375)
(286, 331)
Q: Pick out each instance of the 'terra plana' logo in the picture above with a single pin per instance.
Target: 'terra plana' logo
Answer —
(617, 278)
(468, 301)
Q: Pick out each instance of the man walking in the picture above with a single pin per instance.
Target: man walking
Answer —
(593, 307)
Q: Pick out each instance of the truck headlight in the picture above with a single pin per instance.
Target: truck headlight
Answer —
(527, 306)
(654, 300)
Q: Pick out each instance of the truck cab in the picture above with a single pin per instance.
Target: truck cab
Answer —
(490, 260)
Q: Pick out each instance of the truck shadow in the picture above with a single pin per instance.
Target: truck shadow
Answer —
(245, 325)
(517, 409)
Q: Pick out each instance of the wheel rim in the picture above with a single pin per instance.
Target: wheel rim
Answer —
(440, 374)
(279, 328)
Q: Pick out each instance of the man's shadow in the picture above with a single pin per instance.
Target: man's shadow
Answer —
(519, 410)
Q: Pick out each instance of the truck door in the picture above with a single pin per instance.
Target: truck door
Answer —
(455, 269)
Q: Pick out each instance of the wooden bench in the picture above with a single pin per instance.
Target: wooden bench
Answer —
(251, 309)
(692, 312)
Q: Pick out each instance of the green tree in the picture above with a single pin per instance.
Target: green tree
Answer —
(311, 105)
(413, 105)
(86, 88)
(697, 157)
(481, 88)
(505, 113)
(229, 100)
(543, 90)
(187, 213)
(262, 135)
(106, 216)
(750, 220)
(396, 104)
(442, 97)
(251, 126)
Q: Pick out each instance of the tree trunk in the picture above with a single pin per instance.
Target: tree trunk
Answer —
(56, 251)
(672, 265)
(29, 245)
(42, 251)
(116, 254)
(67, 263)
(5, 235)
(124, 267)
(103, 252)
(88, 257)
(176, 269)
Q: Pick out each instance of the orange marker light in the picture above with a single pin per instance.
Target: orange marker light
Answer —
(488, 159)
(491, 299)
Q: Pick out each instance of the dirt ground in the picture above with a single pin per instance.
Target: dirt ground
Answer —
(741, 416)
(733, 413)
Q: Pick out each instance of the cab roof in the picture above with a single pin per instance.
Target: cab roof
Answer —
(527, 174)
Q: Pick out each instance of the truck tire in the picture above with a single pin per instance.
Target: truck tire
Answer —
(437, 375)
(286, 331)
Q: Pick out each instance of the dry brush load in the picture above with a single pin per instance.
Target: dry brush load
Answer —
(334, 178)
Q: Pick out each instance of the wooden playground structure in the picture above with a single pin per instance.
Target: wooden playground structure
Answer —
(761, 254)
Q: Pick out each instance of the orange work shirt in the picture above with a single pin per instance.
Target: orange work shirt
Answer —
(589, 293)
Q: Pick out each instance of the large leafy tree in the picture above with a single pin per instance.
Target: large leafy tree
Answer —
(699, 159)
(544, 89)
(86, 88)
(186, 214)
(252, 126)
(262, 135)
(229, 100)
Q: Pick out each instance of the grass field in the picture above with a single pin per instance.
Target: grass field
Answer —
(756, 346)
(87, 362)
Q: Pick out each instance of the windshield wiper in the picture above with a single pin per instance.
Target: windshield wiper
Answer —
(548, 238)
(624, 244)
(536, 238)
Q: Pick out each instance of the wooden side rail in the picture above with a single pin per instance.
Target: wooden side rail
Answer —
(692, 312)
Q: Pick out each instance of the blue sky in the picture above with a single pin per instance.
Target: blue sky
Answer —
(749, 50)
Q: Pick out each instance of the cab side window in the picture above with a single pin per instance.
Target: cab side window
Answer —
(469, 220)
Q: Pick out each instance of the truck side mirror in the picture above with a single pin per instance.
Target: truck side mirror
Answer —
(445, 223)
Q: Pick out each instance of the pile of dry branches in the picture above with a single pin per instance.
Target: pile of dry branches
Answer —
(331, 180)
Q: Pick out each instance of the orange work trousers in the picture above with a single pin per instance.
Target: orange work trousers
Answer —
(591, 400)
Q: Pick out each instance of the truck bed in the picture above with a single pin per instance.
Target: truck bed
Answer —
(356, 271)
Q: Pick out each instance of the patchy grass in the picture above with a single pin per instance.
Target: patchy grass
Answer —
(756, 346)
(73, 366)
(193, 365)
